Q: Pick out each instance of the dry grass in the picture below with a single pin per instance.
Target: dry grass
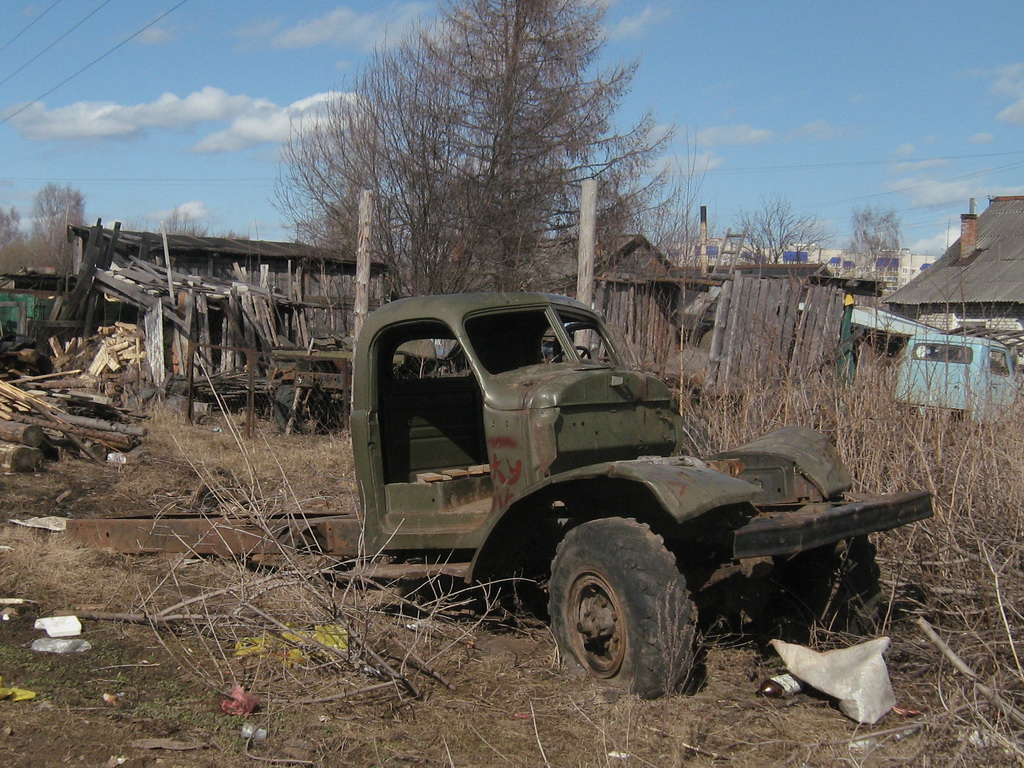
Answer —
(962, 571)
(509, 703)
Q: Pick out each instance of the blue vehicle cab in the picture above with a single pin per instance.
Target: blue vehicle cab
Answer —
(977, 376)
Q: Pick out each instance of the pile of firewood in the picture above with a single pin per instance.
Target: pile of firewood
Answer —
(113, 349)
(45, 413)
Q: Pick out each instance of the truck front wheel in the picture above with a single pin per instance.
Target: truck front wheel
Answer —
(620, 608)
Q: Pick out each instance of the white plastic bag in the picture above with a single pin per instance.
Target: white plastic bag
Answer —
(857, 676)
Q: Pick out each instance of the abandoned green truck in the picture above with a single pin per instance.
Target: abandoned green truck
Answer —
(501, 435)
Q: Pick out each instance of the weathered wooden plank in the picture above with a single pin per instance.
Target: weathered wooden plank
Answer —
(153, 322)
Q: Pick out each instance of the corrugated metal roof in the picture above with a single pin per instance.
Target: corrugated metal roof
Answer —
(993, 273)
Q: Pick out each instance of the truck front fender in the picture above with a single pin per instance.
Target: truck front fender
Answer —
(681, 488)
(684, 487)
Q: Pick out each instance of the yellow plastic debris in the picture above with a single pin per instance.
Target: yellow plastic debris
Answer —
(15, 694)
(284, 645)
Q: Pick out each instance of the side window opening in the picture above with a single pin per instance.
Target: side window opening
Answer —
(998, 363)
(943, 353)
(429, 402)
(587, 338)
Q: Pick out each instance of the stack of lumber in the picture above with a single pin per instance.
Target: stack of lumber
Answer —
(113, 349)
(33, 419)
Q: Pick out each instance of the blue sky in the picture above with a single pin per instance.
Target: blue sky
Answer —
(914, 105)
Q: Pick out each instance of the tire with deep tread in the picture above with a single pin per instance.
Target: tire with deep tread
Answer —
(619, 607)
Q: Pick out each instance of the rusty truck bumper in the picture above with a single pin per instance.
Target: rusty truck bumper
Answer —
(815, 525)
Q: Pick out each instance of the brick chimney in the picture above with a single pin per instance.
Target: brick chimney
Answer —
(968, 233)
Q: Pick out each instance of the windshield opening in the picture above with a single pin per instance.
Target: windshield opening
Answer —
(505, 341)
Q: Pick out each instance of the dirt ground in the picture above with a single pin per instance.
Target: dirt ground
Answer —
(491, 690)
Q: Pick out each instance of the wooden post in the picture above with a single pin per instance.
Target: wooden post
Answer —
(702, 243)
(362, 305)
(155, 353)
(585, 254)
(167, 262)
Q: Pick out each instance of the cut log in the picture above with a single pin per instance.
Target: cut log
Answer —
(19, 458)
(24, 434)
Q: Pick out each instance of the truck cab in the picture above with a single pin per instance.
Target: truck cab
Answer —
(975, 376)
(462, 404)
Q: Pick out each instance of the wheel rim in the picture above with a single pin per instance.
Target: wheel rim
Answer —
(595, 624)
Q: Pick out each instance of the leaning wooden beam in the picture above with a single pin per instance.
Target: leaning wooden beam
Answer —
(69, 307)
(114, 440)
(154, 326)
(101, 425)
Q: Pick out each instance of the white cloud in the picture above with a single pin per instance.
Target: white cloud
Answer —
(193, 210)
(251, 121)
(731, 135)
(923, 191)
(904, 150)
(1013, 114)
(156, 36)
(660, 131)
(685, 166)
(264, 123)
(259, 29)
(1008, 83)
(104, 119)
(936, 245)
(346, 27)
(982, 138)
(633, 27)
(819, 130)
(915, 166)
(931, 192)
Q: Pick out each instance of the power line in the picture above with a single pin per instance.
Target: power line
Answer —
(93, 62)
(973, 174)
(851, 163)
(76, 26)
(30, 24)
(122, 180)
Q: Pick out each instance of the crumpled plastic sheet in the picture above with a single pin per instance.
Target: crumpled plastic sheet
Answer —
(856, 676)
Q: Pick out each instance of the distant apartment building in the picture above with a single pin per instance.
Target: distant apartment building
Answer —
(894, 268)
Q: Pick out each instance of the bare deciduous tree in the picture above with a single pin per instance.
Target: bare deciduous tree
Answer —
(675, 225)
(10, 227)
(474, 134)
(776, 227)
(876, 231)
(54, 209)
(181, 222)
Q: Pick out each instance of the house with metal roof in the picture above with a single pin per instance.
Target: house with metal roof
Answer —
(979, 281)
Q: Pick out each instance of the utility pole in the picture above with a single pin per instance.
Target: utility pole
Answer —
(362, 305)
(587, 242)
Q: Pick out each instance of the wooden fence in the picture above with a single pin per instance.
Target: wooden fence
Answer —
(771, 329)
